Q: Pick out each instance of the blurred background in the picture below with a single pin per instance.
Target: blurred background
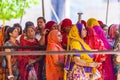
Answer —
(59, 9)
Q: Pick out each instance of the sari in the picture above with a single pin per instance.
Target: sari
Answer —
(94, 41)
(53, 71)
(92, 22)
(71, 70)
(2, 71)
(112, 34)
(107, 64)
(23, 60)
(14, 61)
(48, 26)
(66, 23)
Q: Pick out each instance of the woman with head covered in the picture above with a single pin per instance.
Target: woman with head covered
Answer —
(79, 66)
(54, 62)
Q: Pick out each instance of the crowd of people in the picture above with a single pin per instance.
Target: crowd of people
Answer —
(90, 35)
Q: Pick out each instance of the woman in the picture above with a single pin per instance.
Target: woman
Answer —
(113, 34)
(12, 63)
(30, 64)
(107, 64)
(66, 25)
(94, 41)
(79, 66)
(54, 63)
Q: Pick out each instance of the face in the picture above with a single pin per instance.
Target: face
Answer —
(59, 36)
(30, 33)
(18, 29)
(83, 32)
(40, 23)
(117, 32)
(15, 33)
(105, 29)
(67, 29)
(55, 26)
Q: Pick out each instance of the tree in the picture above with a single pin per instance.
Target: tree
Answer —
(10, 9)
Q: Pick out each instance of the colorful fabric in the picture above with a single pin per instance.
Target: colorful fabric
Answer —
(66, 23)
(51, 60)
(1, 36)
(48, 26)
(76, 43)
(14, 61)
(23, 60)
(94, 41)
(102, 36)
(112, 31)
(107, 64)
(92, 22)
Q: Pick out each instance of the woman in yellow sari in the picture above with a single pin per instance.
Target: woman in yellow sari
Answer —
(79, 66)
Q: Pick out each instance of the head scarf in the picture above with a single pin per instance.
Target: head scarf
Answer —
(49, 25)
(74, 35)
(93, 40)
(101, 34)
(112, 30)
(100, 22)
(83, 22)
(66, 23)
(92, 22)
(53, 40)
(76, 42)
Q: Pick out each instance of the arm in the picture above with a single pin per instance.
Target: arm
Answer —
(42, 39)
(8, 57)
(81, 62)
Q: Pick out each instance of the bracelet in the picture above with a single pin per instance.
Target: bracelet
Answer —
(87, 64)
(10, 76)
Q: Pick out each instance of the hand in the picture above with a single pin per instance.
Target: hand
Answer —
(44, 32)
(93, 64)
(31, 61)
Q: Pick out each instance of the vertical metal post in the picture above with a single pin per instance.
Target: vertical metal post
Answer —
(107, 11)
(79, 17)
(43, 13)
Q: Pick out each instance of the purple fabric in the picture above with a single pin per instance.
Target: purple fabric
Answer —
(79, 27)
(101, 34)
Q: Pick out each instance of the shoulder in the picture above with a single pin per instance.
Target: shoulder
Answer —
(8, 44)
(75, 45)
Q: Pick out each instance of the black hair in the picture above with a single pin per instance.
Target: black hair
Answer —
(10, 30)
(103, 26)
(42, 19)
(28, 24)
(6, 27)
(18, 25)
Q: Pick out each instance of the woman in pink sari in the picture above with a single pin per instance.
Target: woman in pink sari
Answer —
(29, 63)
(94, 41)
(107, 64)
(54, 62)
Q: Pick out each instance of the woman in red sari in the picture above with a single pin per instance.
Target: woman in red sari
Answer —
(66, 25)
(94, 41)
(29, 62)
(54, 62)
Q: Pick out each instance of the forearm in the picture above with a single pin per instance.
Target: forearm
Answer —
(42, 40)
(8, 57)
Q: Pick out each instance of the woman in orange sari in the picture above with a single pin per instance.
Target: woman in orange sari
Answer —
(54, 63)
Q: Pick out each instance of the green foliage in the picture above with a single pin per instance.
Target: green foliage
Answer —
(10, 9)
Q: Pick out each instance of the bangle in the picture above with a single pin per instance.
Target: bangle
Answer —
(87, 64)
(10, 76)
